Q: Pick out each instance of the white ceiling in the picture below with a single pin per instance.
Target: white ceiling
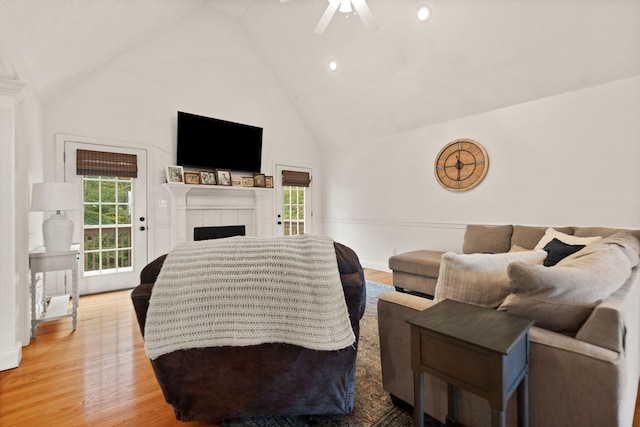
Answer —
(471, 56)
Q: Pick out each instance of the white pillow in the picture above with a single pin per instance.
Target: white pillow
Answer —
(562, 297)
(479, 279)
(551, 234)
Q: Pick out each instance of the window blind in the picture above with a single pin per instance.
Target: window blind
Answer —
(101, 163)
(296, 179)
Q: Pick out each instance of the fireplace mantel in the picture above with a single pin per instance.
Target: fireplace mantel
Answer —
(220, 205)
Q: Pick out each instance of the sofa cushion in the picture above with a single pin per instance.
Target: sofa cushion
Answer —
(552, 233)
(558, 250)
(423, 262)
(487, 238)
(479, 279)
(561, 298)
(528, 236)
(602, 231)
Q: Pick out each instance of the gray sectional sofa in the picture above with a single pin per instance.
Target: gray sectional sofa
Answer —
(584, 351)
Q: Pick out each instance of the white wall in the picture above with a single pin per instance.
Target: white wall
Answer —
(570, 159)
(204, 64)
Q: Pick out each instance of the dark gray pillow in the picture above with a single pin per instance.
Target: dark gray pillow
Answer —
(558, 251)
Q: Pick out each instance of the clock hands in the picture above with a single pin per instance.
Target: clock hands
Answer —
(461, 164)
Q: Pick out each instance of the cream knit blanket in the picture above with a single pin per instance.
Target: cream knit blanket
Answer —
(243, 291)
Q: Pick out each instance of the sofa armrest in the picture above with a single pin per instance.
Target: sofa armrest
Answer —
(140, 297)
(569, 344)
(607, 326)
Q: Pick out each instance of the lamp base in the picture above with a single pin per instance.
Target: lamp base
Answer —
(57, 232)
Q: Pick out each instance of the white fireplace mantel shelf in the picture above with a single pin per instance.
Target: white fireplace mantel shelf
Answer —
(179, 188)
(190, 197)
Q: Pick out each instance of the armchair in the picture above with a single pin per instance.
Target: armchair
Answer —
(215, 383)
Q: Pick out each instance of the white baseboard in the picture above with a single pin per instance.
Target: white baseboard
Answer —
(374, 266)
(10, 359)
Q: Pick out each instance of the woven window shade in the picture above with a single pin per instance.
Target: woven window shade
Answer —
(106, 164)
(296, 179)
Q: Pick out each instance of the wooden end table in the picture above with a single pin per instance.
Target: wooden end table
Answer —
(481, 350)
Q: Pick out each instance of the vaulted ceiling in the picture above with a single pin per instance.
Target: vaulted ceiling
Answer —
(471, 56)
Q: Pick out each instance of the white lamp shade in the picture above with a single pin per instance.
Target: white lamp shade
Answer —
(55, 196)
(57, 231)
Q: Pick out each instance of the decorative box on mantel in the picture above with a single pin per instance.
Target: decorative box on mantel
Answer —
(218, 205)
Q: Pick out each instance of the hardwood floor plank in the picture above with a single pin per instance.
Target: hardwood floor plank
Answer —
(97, 375)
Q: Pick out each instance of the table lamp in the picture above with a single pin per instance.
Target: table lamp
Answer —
(56, 196)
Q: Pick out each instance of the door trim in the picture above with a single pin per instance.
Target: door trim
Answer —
(279, 197)
(61, 139)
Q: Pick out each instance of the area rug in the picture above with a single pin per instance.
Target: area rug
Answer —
(372, 406)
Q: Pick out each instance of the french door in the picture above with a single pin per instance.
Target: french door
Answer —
(293, 205)
(112, 227)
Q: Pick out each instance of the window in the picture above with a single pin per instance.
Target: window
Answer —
(294, 210)
(295, 194)
(107, 203)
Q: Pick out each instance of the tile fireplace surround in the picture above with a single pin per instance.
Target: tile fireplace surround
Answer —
(212, 205)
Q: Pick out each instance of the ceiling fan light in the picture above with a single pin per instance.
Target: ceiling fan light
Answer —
(423, 13)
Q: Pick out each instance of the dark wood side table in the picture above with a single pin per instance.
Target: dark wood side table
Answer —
(481, 350)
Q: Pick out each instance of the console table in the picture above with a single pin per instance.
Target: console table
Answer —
(481, 350)
(43, 262)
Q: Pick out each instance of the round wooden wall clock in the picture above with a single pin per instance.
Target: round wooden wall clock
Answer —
(461, 164)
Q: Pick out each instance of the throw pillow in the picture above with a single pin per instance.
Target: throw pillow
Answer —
(561, 298)
(479, 279)
(558, 250)
(528, 236)
(552, 233)
(625, 240)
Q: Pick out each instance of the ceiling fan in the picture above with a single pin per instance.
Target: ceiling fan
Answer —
(344, 6)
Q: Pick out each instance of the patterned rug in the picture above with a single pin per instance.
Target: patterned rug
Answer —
(372, 406)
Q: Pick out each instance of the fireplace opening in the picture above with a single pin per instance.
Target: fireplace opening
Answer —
(206, 233)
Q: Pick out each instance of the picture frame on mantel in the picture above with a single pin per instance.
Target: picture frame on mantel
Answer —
(223, 177)
(175, 174)
(192, 178)
(207, 178)
(258, 180)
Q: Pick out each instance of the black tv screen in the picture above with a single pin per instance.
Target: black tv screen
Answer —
(208, 143)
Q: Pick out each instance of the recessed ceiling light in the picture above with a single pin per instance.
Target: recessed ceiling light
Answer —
(333, 65)
(423, 13)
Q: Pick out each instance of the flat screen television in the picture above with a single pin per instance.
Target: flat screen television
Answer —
(208, 143)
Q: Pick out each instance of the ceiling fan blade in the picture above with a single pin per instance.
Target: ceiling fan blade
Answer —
(366, 15)
(326, 16)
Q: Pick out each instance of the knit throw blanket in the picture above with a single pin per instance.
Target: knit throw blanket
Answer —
(243, 291)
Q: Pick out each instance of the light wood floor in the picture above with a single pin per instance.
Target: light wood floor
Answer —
(95, 376)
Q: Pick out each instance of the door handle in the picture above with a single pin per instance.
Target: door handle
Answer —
(142, 228)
